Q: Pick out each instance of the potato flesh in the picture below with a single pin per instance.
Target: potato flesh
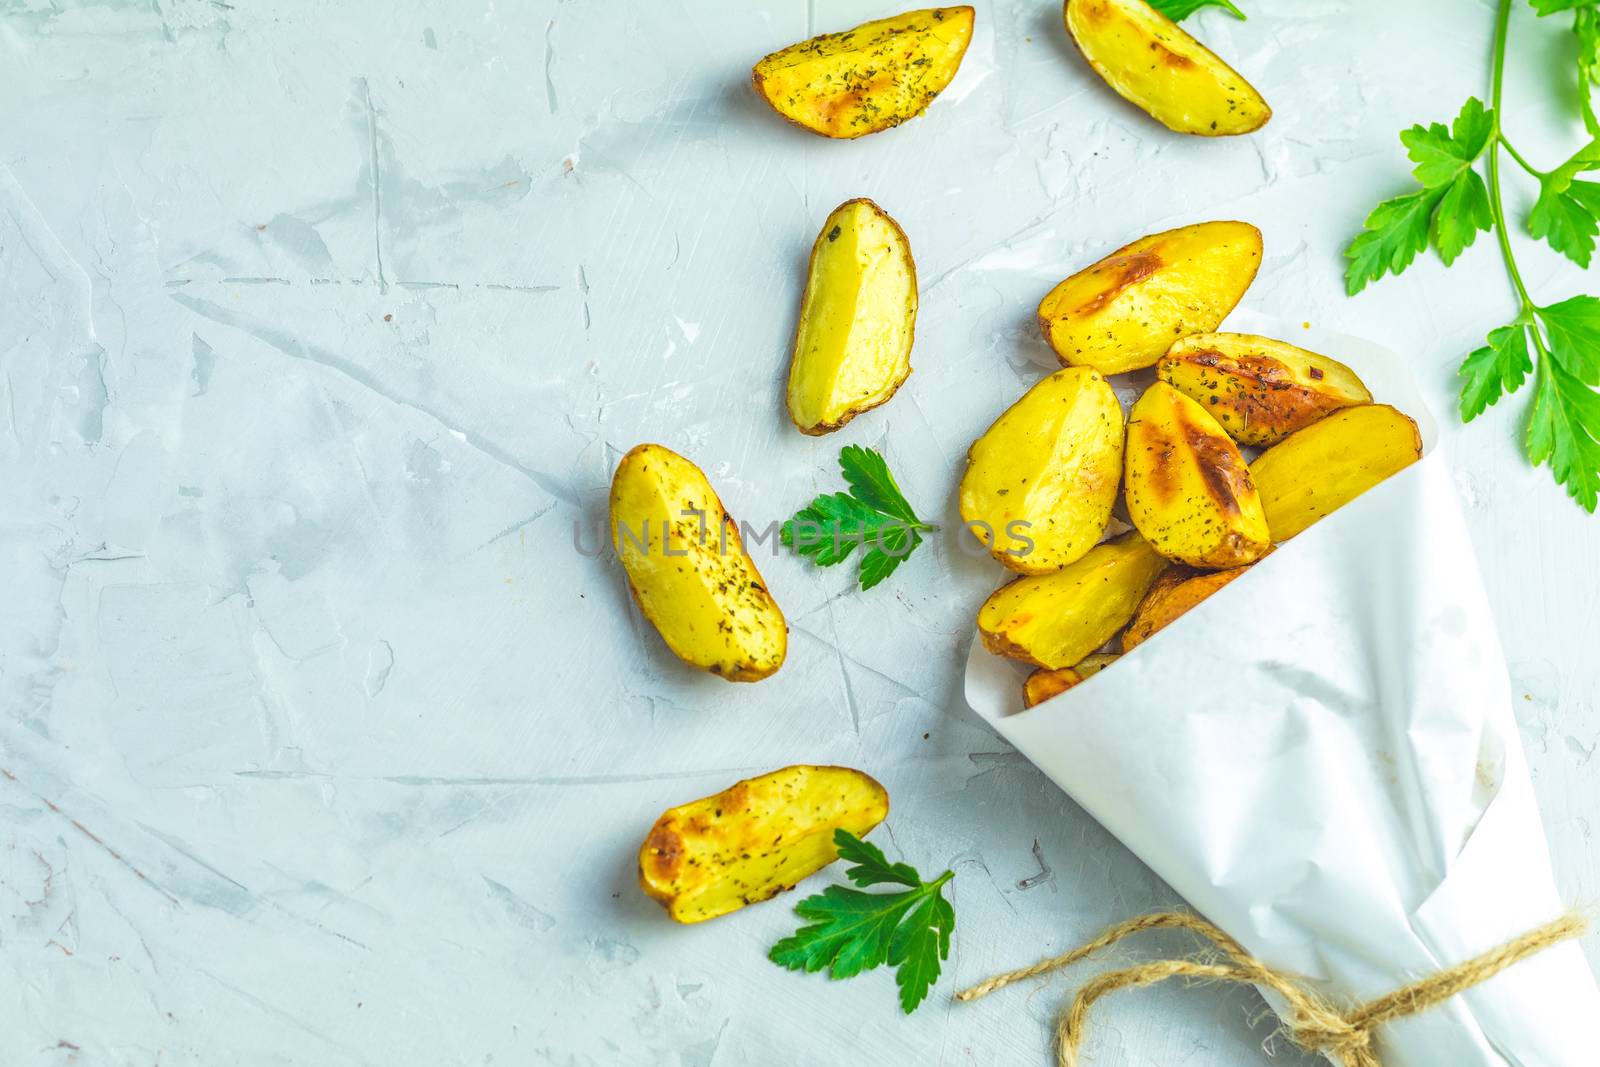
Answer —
(1329, 463)
(1055, 620)
(852, 349)
(1125, 311)
(875, 76)
(1174, 593)
(688, 570)
(1259, 389)
(1053, 460)
(1156, 66)
(1189, 490)
(754, 839)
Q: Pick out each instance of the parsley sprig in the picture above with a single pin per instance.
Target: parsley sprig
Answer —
(852, 931)
(873, 514)
(1557, 344)
(1178, 10)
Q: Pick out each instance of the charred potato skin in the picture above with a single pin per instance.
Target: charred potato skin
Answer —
(1189, 491)
(1158, 67)
(1056, 620)
(802, 349)
(1124, 311)
(1063, 484)
(710, 606)
(755, 839)
(895, 58)
(1175, 592)
(1259, 389)
(1043, 684)
(1319, 469)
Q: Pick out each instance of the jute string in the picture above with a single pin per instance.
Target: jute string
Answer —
(1312, 1022)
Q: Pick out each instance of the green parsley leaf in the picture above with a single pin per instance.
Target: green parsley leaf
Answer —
(852, 931)
(1551, 7)
(1567, 216)
(1391, 238)
(1450, 209)
(874, 514)
(1178, 10)
(1495, 370)
(1564, 427)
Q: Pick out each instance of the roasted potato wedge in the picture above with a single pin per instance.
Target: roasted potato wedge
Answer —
(1052, 461)
(1174, 593)
(688, 569)
(1124, 312)
(1259, 389)
(754, 839)
(1189, 490)
(852, 349)
(1158, 67)
(1330, 463)
(1055, 620)
(867, 79)
(1043, 684)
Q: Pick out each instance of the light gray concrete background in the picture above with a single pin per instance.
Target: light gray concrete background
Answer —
(323, 325)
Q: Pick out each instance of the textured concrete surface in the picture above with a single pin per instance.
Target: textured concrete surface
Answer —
(321, 329)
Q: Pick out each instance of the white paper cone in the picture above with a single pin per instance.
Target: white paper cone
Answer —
(1322, 759)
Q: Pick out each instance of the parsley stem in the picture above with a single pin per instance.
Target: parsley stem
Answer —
(1502, 232)
(1523, 163)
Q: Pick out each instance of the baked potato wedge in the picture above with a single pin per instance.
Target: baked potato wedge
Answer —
(1331, 462)
(754, 839)
(1156, 66)
(852, 348)
(875, 76)
(1052, 461)
(1055, 620)
(688, 569)
(1259, 389)
(1189, 490)
(1124, 312)
(1043, 684)
(1174, 593)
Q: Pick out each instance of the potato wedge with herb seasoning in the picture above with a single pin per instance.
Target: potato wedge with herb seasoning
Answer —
(1331, 462)
(875, 76)
(1259, 389)
(1043, 684)
(1189, 490)
(1124, 312)
(1055, 620)
(1174, 593)
(688, 569)
(754, 839)
(1156, 66)
(852, 348)
(1040, 482)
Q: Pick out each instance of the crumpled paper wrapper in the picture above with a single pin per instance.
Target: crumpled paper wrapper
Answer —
(1322, 759)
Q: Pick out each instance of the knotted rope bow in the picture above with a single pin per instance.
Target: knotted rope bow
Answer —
(1312, 1022)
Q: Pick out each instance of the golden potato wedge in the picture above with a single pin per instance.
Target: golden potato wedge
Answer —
(754, 839)
(1156, 66)
(688, 569)
(852, 349)
(1122, 313)
(1189, 490)
(1043, 684)
(1330, 463)
(1174, 593)
(1259, 389)
(1055, 620)
(875, 76)
(1040, 482)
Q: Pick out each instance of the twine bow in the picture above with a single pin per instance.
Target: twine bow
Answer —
(1312, 1022)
